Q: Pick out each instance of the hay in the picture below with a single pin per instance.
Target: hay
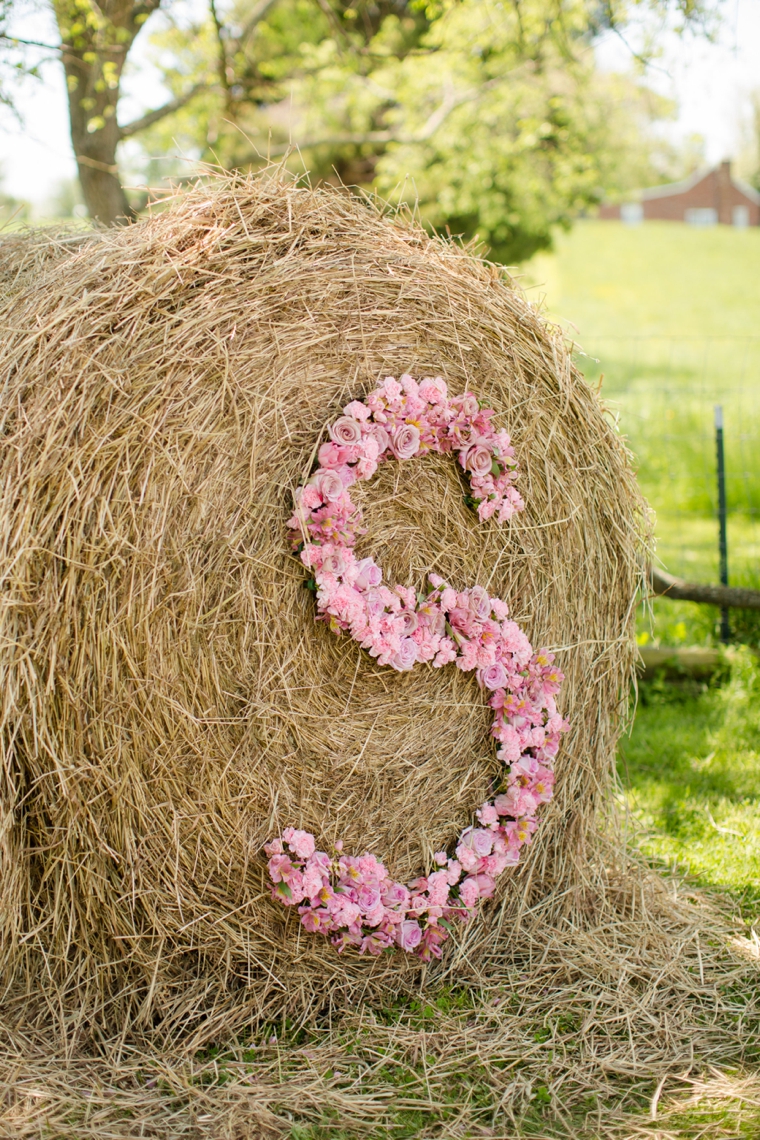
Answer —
(169, 701)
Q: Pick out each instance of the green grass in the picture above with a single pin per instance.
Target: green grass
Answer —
(691, 770)
(667, 315)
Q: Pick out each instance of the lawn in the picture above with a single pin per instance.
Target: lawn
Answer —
(666, 315)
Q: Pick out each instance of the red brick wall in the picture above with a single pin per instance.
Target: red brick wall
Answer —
(716, 191)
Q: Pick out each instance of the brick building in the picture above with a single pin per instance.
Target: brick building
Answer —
(708, 197)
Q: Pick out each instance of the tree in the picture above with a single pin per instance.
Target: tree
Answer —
(489, 115)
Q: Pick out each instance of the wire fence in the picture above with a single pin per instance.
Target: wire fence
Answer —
(664, 390)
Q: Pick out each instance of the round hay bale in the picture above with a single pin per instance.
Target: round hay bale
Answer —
(169, 702)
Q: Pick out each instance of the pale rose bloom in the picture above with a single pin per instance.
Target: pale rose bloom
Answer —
(479, 603)
(369, 574)
(486, 885)
(328, 484)
(396, 894)
(405, 656)
(436, 580)
(406, 441)
(346, 431)
(333, 563)
(368, 898)
(478, 840)
(407, 622)
(331, 455)
(470, 405)
(477, 459)
(494, 677)
(358, 411)
(409, 935)
(381, 437)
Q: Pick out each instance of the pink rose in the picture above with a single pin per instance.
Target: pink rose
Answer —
(405, 656)
(406, 441)
(381, 437)
(409, 935)
(331, 455)
(494, 677)
(369, 574)
(407, 622)
(333, 563)
(328, 484)
(477, 460)
(479, 603)
(346, 431)
(470, 405)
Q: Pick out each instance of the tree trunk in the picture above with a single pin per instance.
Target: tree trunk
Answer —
(95, 40)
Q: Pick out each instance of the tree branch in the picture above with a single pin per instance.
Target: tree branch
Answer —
(729, 597)
(434, 121)
(152, 117)
(258, 13)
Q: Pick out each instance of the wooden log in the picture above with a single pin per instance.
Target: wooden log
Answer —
(694, 660)
(731, 597)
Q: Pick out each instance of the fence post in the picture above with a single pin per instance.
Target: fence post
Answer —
(725, 629)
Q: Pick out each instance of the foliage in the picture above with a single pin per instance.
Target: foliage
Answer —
(491, 117)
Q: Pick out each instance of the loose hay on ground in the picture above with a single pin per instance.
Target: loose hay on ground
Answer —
(169, 701)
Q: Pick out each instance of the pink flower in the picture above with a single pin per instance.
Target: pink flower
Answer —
(440, 858)
(381, 437)
(346, 431)
(331, 455)
(328, 484)
(409, 935)
(449, 600)
(406, 441)
(405, 656)
(359, 411)
(494, 677)
(469, 893)
(301, 843)
(479, 603)
(487, 814)
(477, 460)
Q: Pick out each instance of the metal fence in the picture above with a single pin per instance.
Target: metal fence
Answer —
(663, 391)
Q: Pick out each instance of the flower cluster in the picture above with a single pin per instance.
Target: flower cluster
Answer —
(353, 899)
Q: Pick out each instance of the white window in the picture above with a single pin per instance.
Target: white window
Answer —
(632, 213)
(740, 216)
(701, 216)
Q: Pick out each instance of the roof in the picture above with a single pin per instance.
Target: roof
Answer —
(673, 188)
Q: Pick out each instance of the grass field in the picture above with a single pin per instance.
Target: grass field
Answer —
(667, 316)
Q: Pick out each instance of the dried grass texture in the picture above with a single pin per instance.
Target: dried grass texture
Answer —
(168, 701)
